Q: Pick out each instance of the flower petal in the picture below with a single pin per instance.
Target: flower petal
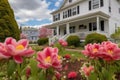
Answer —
(23, 42)
(18, 59)
(10, 40)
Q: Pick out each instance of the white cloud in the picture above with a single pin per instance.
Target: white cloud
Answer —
(26, 10)
(57, 4)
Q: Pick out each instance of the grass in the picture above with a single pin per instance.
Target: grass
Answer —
(74, 54)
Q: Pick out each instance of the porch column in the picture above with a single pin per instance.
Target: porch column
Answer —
(57, 30)
(98, 25)
(67, 28)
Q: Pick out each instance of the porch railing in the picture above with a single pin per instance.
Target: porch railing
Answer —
(82, 36)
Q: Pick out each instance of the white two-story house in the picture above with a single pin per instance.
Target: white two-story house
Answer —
(81, 17)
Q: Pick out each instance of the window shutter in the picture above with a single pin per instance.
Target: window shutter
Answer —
(101, 3)
(78, 9)
(89, 5)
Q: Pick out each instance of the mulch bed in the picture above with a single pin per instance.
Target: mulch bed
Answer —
(72, 65)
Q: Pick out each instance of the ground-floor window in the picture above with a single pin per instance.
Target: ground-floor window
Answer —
(102, 25)
(64, 31)
(72, 29)
(92, 26)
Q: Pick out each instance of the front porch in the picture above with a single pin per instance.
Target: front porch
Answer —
(82, 27)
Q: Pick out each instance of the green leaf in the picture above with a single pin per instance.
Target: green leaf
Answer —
(34, 68)
(24, 77)
(92, 76)
(42, 75)
(2, 74)
(107, 74)
(11, 67)
(33, 78)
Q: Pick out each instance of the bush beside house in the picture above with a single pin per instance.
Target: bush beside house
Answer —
(42, 41)
(95, 38)
(73, 40)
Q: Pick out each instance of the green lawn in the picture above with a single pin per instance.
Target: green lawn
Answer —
(73, 54)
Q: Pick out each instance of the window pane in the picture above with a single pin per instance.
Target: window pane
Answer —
(70, 0)
(90, 26)
(95, 4)
(72, 29)
(102, 25)
(94, 26)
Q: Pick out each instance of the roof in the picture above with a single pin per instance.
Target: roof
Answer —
(62, 6)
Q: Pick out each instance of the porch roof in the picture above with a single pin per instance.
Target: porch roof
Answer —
(80, 17)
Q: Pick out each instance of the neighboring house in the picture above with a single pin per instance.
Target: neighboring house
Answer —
(31, 33)
(81, 17)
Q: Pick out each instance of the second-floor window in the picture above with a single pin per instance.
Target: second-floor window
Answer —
(71, 12)
(56, 17)
(93, 4)
(74, 11)
(65, 14)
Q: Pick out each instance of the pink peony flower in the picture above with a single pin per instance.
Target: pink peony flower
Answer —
(72, 75)
(87, 70)
(67, 56)
(3, 52)
(92, 50)
(49, 58)
(18, 49)
(28, 72)
(60, 41)
(52, 44)
(63, 43)
(109, 51)
(57, 75)
(66, 67)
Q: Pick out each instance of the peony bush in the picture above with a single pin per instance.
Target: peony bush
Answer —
(21, 62)
(105, 58)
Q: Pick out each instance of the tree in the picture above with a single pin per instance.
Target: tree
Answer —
(8, 24)
(45, 32)
(116, 35)
(23, 36)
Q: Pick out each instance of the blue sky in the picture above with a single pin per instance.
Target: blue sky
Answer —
(34, 13)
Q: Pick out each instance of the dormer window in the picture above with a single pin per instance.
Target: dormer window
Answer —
(70, 1)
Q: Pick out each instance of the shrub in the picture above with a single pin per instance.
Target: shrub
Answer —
(42, 41)
(95, 38)
(73, 40)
